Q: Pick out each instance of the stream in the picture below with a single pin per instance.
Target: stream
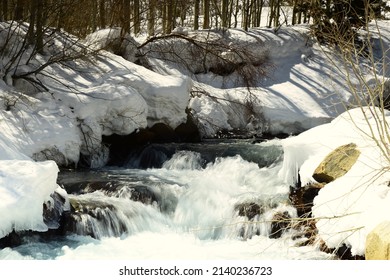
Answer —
(212, 200)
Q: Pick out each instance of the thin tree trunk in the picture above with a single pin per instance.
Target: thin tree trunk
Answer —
(169, 7)
(137, 23)
(151, 14)
(272, 12)
(164, 16)
(4, 10)
(31, 28)
(206, 14)
(19, 10)
(102, 14)
(126, 17)
(237, 9)
(224, 13)
(40, 20)
(196, 14)
(259, 11)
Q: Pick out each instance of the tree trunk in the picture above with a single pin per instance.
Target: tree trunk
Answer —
(40, 20)
(169, 7)
(94, 15)
(272, 12)
(237, 10)
(126, 17)
(102, 14)
(31, 28)
(137, 19)
(19, 10)
(277, 13)
(260, 4)
(224, 13)
(196, 14)
(4, 10)
(151, 14)
(245, 17)
(206, 14)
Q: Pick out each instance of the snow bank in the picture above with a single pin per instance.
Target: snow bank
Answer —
(166, 96)
(33, 126)
(24, 186)
(292, 85)
(259, 111)
(348, 208)
(112, 95)
(70, 103)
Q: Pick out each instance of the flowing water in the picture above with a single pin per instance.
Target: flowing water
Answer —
(214, 200)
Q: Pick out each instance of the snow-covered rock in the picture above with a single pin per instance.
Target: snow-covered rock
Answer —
(348, 208)
(24, 187)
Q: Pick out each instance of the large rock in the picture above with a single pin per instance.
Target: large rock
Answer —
(378, 242)
(337, 163)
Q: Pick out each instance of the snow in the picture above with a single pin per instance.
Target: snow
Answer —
(25, 185)
(81, 100)
(291, 94)
(348, 208)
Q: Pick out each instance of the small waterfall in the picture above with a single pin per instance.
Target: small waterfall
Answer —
(98, 223)
(185, 160)
(193, 191)
(155, 155)
(100, 216)
(151, 156)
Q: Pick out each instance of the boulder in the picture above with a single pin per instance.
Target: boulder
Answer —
(337, 163)
(12, 240)
(53, 210)
(249, 209)
(252, 212)
(378, 242)
(281, 222)
(302, 197)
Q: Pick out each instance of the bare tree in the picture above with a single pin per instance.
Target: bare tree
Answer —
(137, 16)
(206, 14)
(151, 17)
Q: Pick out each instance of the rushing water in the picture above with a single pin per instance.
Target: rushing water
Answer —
(198, 201)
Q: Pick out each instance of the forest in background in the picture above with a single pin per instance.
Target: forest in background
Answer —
(162, 16)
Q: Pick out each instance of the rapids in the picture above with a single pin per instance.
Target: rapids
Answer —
(208, 200)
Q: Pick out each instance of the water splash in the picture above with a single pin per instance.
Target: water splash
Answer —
(185, 160)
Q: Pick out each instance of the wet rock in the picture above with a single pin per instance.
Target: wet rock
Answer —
(163, 133)
(281, 222)
(143, 194)
(11, 240)
(54, 154)
(251, 225)
(344, 253)
(249, 210)
(115, 188)
(337, 163)
(94, 218)
(54, 209)
(188, 132)
(302, 198)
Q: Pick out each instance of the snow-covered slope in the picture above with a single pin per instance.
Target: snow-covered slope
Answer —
(283, 82)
